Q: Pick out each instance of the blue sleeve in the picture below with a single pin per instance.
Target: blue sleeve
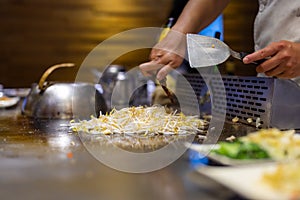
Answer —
(215, 26)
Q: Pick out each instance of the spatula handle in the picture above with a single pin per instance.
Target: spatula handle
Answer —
(257, 62)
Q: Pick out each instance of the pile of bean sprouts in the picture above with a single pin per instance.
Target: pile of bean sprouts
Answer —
(141, 120)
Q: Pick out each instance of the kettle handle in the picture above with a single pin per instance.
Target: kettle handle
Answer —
(50, 70)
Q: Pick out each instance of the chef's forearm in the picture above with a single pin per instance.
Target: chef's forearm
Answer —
(197, 14)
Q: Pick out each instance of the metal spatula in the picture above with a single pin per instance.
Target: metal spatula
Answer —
(206, 51)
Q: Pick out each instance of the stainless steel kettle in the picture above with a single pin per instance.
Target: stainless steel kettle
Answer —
(61, 100)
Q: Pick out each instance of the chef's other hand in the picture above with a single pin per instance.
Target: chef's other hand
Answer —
(283, 59)
(166, 55)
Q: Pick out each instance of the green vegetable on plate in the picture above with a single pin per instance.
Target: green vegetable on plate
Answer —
(241, 150)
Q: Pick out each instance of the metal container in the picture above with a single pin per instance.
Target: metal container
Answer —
(61, 100)
(258, 101)
(118, 86)
(108, 81)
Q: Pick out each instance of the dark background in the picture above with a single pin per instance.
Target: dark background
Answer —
(35, 34)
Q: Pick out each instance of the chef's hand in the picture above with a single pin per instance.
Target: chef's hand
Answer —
(283, 59)
(166, 55)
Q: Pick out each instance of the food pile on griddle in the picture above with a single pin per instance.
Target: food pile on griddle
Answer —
(140, 129)
(142, 121)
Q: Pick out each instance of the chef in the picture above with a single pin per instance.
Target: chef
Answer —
(276, 37)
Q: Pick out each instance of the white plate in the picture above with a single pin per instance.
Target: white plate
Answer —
(206, 150)
(245, 180)
(9, 101)
(16, 92)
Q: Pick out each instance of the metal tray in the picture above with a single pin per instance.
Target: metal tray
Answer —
(268, 102)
